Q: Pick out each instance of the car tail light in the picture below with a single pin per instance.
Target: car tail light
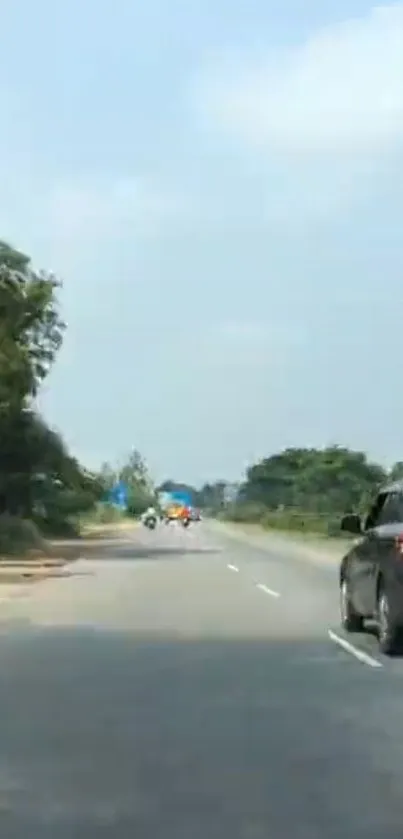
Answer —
(399, 543)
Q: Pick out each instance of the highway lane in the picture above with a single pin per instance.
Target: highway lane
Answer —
(301, 569)
(161, 693)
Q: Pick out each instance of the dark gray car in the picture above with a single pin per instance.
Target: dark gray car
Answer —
(371, 573)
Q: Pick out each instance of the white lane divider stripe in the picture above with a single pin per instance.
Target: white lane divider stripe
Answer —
(233, 568)
(365, 658)
(267, 590)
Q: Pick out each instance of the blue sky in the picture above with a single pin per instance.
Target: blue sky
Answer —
(219, 184)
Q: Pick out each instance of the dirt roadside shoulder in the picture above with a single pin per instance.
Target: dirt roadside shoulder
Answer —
(108, 531)
(55, 557)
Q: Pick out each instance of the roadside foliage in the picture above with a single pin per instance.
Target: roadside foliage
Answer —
(39, 479)
(301, 489)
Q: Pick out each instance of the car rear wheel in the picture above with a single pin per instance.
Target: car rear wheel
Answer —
(351, 621)
(388, 632)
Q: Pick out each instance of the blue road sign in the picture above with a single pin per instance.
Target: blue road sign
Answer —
(118, 495)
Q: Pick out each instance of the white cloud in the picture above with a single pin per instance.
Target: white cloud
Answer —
(341, 92)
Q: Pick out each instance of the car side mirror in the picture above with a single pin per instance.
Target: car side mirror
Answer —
(351, 523)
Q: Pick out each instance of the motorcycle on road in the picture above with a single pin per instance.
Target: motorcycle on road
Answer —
(150, 519)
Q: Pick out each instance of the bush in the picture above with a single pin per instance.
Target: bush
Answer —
(103, 514)
(296, 521)
(249, 512)
(19, 537)
(290, 520)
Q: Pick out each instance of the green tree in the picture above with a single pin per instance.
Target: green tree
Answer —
(396, 472)
(38, 477)
(315, 480)
(31, 329)
(108, 477)
(212, 497)
(308, 488)
(134, 473)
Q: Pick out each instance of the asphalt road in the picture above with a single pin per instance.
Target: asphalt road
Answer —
(182, 685)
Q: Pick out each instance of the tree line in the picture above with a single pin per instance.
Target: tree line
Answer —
(39, 478)
(304, 489)
(309, 489)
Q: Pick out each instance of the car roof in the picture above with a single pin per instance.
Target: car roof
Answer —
(397, 486)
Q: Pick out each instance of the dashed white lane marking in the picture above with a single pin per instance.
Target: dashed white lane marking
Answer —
(233, 568)
(267, 590)
(365, 658)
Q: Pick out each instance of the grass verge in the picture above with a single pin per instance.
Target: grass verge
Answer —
(309, 539)
(319, 548)
(292, 522)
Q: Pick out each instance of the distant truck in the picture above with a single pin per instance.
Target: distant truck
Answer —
(173, 512)
(179, 512)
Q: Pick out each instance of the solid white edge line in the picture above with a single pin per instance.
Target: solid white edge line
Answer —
(364, 658)
(233, 568)
(267, 590)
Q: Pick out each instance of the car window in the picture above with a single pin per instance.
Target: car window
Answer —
(392, 509)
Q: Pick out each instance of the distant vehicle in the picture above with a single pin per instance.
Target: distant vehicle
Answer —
(195, 514)
(185, 516)
(150, 518)
(173, 512)
(371, 573)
